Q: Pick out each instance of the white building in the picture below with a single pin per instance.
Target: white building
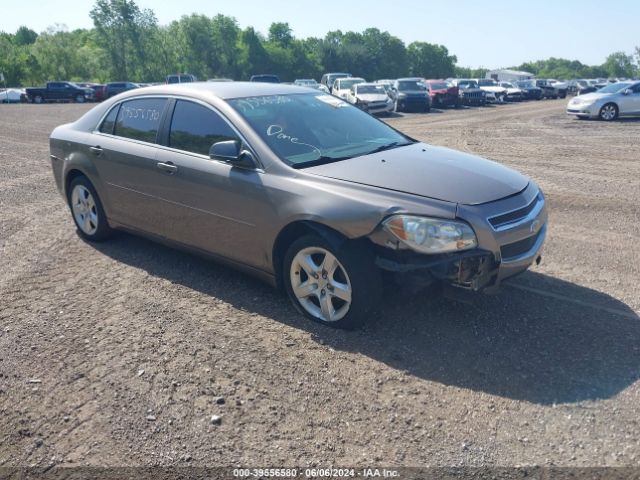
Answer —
(509, 75)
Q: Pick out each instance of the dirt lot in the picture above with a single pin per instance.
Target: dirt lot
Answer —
(120, 354)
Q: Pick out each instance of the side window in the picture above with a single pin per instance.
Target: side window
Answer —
(109, 121)
(194, 128)
(636, 88)
(140, 119)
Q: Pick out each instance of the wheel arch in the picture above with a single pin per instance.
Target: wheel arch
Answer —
(70, 176)
(294, 230)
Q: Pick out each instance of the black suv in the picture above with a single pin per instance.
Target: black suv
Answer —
(265, 78)
(114, 88)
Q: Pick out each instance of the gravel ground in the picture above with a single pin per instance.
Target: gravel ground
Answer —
(131, 353)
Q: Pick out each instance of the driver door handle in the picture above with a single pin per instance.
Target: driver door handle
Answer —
(168, 167)
(97, 150)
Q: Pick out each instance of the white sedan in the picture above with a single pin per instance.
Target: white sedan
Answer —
(10, 95)
(342, 86)
(370, 97)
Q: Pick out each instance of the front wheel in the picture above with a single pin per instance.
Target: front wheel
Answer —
(333, 285)
(38, 99)
(608, 112)
(79, 98)
(87, 211)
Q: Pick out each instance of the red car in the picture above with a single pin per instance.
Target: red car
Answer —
(442, 93)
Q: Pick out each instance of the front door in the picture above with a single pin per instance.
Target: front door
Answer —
(209, 204)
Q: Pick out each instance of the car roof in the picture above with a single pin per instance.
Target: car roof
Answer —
(223, 90)
(350, 79)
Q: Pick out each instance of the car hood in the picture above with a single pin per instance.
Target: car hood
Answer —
(493, 89)
(372, 97)
(593, 96)
(414, 93)
(429, 171)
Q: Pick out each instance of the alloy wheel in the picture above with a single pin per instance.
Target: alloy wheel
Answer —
(321, 284)
(84, 209)
(608, 112)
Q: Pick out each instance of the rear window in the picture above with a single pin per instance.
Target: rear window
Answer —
(109, 121)
(140, 119)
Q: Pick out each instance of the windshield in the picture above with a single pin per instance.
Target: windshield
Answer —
(310, 83)
(467, 84)
(347, 83)
(527, 83)
(404, 85)
(614, 87)
(487, 83)
(371, 89)
(309, 129)
(507, 85)
(439, 85)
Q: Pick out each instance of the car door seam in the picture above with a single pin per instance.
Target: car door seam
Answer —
(235, 220)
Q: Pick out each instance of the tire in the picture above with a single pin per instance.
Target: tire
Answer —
(336, 285)
(86, 210)
(38, 99)
(79, 98)
(608, 112)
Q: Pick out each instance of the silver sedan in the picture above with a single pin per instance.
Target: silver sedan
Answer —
(616, 100)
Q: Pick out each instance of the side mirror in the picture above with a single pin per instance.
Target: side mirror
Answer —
(627, 91)
(231, 151)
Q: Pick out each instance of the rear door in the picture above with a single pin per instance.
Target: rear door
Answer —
(55, 90)
(124, 152)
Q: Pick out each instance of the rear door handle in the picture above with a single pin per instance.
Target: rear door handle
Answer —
(168, 167)
(97, 150)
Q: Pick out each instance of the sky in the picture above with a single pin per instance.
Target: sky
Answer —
(486, 33)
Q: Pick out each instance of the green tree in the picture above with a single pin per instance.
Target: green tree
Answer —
(430, 61)
(280, 33)
(24, 36)
(619, 64)
(121, 27)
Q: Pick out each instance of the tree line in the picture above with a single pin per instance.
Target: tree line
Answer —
(127, 43)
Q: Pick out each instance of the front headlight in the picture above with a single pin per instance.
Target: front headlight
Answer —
(582, 101)
(431, 235)
(402, 95)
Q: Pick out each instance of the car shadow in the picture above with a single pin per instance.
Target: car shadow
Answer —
(541, 340)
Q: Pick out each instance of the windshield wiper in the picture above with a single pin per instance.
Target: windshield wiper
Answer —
(387, 146)
(320, 161)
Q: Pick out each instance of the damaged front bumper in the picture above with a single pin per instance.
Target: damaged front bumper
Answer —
(471, 270)
(510, 232)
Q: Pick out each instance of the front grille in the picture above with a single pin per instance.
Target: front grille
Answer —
(473, 94)
(516, 215)
(377, 104)
(520, 247)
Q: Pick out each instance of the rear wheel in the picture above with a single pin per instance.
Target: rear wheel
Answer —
(38, 99)
(333, 285)
(87, 211)
(608, 112)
